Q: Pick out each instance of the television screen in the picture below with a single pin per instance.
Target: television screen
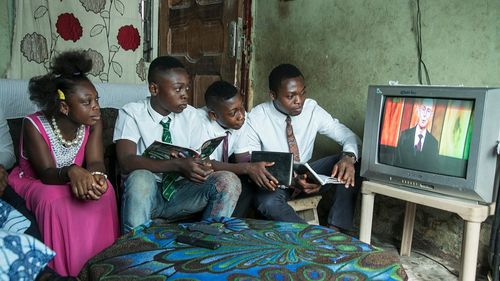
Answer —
(441, 140)
(426, 134)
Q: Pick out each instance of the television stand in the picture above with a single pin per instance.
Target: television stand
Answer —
(472, 213)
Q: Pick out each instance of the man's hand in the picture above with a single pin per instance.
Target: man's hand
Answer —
(307, 187)
(3, 180)
(194, 169)
(344, 171)
(258, 173)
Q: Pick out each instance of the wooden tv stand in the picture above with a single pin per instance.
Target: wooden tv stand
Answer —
(472, 213)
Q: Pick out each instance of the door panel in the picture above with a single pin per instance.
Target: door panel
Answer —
(197, 32)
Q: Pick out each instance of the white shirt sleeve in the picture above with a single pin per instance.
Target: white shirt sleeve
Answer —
(126, 127)
(7, 157)
(241, 144)
(253, 139)
(337, 131)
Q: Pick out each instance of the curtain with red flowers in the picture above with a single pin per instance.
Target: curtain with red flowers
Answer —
(108, 30)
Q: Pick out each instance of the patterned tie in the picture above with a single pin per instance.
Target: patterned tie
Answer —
(168, 180)
(418, 147)
(292, 143)
(225, 156)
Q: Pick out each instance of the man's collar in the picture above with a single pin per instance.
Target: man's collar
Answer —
(279, 114)
(157, 117)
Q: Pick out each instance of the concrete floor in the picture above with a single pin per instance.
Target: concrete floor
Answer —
(420, 266)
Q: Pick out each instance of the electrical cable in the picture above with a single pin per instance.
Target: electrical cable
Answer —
(421, 63)
(428, 257)
(494, 243)
(436, 261)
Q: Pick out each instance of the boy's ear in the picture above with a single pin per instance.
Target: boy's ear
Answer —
(153, 88)
(212, 115)
(273, 95)
(64, 108)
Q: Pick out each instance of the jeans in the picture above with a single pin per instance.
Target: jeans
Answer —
(273, 205)
(142, 199)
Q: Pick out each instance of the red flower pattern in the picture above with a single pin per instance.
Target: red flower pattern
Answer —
(128, 37)
(69, 27)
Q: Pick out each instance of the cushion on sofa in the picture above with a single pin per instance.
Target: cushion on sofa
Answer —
(23, 257)
(11, 219)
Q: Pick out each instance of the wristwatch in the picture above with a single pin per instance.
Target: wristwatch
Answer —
(349, 154)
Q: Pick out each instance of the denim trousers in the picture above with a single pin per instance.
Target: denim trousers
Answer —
(142, 199)
(273, 204)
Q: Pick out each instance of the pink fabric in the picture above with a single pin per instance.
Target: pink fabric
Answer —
(75, 229)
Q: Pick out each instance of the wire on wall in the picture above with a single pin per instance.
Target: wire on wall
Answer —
(418, 31)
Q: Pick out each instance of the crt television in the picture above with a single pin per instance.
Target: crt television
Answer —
(441, 140)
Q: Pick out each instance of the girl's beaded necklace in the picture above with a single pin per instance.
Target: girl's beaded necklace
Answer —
(79, 134)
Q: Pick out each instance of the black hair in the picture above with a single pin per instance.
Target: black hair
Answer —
(280, 73)
(66, 71)
(219, 92)
(162, 65)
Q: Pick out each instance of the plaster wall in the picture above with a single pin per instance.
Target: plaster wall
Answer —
(344, 46)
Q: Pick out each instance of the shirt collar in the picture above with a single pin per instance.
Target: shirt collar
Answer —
(276, 113)
(157, 117)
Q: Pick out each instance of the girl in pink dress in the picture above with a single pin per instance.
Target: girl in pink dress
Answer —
(61, 169)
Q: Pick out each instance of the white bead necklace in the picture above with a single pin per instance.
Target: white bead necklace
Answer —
(79, 134)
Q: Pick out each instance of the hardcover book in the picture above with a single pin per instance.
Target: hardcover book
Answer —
(162, 150)
(282, 169)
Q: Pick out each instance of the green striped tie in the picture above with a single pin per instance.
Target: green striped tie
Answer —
(168, 180)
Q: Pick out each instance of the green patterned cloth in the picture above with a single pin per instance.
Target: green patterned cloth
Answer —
(250, 250)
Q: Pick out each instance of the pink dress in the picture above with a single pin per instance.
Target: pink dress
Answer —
(75, 229)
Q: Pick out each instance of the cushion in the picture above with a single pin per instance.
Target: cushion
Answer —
(11, 219)
(22, 257)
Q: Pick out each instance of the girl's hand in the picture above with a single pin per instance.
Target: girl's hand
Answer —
(81, 182)
(100, 185)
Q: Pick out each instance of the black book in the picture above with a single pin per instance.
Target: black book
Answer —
(282, 169)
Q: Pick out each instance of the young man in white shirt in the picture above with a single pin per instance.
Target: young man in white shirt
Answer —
(167, 116)
(224, 114)
(269, 132)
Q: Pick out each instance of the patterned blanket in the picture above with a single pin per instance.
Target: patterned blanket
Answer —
(250, 250)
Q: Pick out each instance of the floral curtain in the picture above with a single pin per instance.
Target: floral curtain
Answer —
(108, 30)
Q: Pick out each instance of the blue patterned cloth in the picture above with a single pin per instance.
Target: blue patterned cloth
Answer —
(250, 250)
(11, 219)
(22, 257)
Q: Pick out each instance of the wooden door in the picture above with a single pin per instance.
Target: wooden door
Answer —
(208, 36)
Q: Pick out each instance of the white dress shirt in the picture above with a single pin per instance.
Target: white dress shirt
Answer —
(237, 142)
(7, 157)
(140, 123)
(267, 129)
(416, 139)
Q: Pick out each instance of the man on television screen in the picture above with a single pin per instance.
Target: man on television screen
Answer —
(417, 147)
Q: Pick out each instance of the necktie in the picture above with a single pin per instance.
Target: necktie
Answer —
(225, 156)
(292, 143)
(419, 144)
(168, 180)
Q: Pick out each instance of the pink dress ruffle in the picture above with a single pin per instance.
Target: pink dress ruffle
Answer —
(75, 229)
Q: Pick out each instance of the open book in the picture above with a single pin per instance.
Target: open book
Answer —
(305, 168)
(282, 169)
(162, 150)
